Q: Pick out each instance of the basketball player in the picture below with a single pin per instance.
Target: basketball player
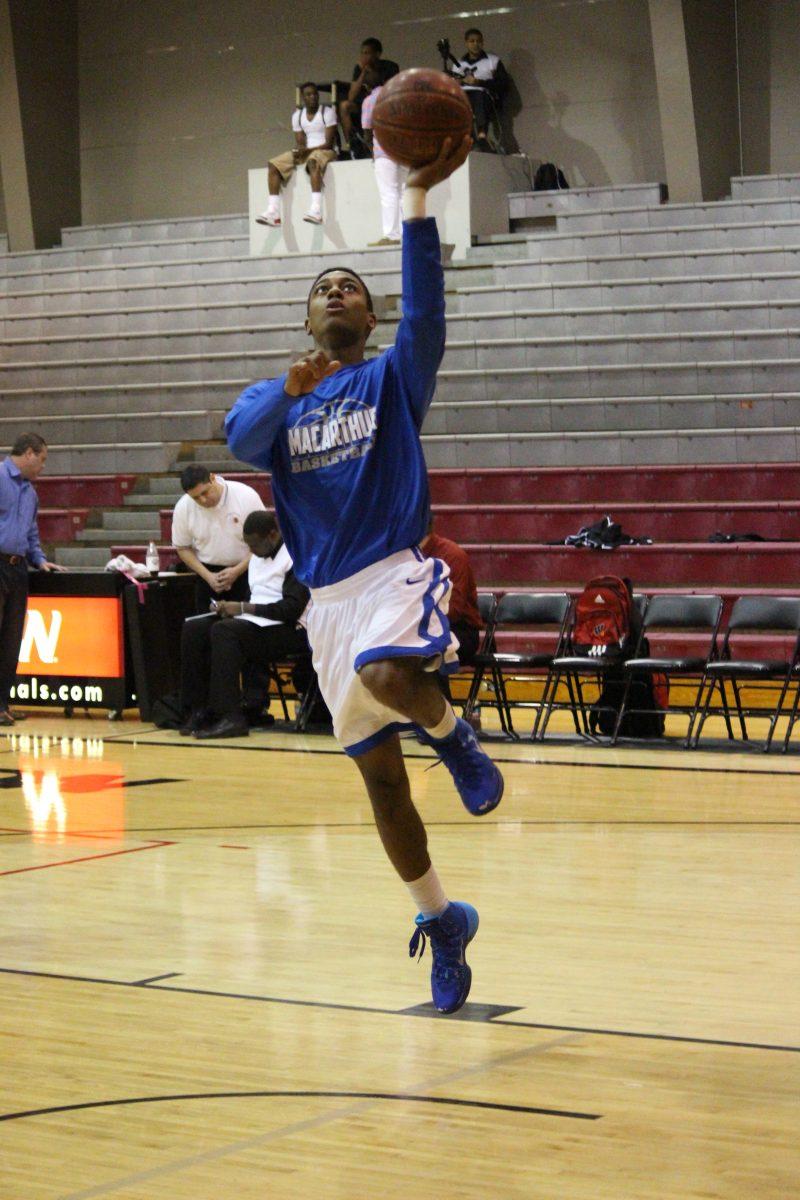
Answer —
(340, 435)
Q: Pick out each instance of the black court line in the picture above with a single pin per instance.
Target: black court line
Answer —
(149, 782)
(404, 1097)
(394, 1012)
(517, 762)
(469, 826)
(155, 979)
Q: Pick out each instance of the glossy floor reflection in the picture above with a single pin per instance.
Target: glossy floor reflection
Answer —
(205, 987)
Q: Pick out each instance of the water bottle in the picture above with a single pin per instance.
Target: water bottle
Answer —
(151, 559)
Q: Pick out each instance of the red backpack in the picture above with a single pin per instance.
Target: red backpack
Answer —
(604, 618)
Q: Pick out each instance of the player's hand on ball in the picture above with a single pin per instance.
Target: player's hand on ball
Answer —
(448, 160)
(304, 375)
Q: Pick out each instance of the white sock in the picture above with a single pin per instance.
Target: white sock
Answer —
(428, 894)
(273, 207)
(445, 726)
(316, 203)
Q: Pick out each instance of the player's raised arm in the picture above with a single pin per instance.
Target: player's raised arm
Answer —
(255, 420)
(419, 345)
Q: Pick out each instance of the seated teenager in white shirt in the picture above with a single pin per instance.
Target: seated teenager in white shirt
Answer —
(314, 128)
(207, 525)
(485, 81)
(266, 628)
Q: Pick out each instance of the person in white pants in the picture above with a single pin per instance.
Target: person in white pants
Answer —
(389, 175)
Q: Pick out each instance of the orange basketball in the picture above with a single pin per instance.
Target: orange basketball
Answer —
(416, 111)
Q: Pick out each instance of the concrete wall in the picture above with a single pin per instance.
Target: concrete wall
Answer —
(769, 56)
(711, 44)
(179, 99)
(46, 51)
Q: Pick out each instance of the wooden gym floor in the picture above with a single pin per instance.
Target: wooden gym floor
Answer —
(205, 988)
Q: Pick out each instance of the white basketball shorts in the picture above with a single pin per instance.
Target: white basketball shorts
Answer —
(395, 608)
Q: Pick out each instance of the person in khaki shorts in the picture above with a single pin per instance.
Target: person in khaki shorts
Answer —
(314, 128)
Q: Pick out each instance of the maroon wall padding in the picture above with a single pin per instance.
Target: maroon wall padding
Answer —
(605, 485)
(598, 485)
(678, 522)
(744, 564)
(254, 479)
(662, 645)
(94, 491)
(61, 524)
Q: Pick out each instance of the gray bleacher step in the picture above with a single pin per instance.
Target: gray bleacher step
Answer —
(58, 267)
(655, 264)
(176, 228)
(628, 349)
(87, 258)
(111, 537)
(738, 319)
(120, 428)
(526, 320)
(214, 455)
(497, 239)
(486, 295)
(626, 447)
(152, 500)
(128, 518)
(684, 215)
(638, 289)
(642, 241)
(635, 379)
(538, 205)
(83, 556)
(604, 413)
(198, 288)
(765, 186)
(111, 458)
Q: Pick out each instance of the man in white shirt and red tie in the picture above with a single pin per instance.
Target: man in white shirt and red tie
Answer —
(207, 526)
(314, 127)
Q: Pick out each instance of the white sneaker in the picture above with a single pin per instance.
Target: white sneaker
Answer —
(313, 218)
(269, 218)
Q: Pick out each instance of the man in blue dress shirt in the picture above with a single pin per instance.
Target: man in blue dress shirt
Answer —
(19, 548)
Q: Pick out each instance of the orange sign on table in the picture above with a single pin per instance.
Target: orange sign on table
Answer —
(73, 635)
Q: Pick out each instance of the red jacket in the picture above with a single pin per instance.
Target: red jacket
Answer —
(464, 597)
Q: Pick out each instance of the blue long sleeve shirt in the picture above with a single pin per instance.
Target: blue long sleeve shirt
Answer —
(348, 473)
(19, 506)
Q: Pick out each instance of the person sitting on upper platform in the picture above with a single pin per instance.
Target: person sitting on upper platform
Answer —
(485, 80)
(369, 59)
(314, 128)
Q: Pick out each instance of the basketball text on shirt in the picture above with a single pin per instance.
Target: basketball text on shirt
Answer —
(338, 430)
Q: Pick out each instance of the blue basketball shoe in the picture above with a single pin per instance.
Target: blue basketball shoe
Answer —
(450, 933)
(477, 779)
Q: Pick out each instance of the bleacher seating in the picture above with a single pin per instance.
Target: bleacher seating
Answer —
(581, 357)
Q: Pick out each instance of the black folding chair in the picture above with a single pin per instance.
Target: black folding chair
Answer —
(794, 715)
(755, 614)
(487, 607)
(543, 612)
(669, 613)
(570, 669)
